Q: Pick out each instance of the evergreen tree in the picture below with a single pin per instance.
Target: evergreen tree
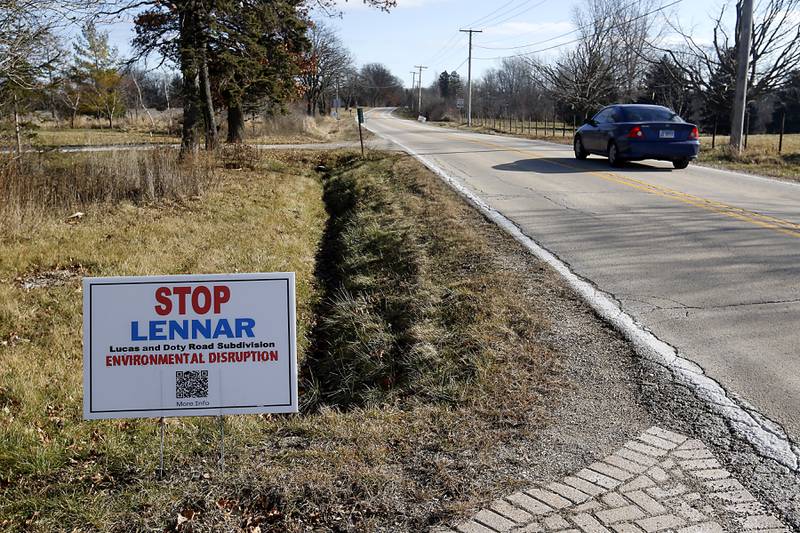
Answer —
(789, 103)
(666, 84)
(456, 86)
(444, 85)
(256, 56)
(719, 96)
(190, 31)
(95, 70)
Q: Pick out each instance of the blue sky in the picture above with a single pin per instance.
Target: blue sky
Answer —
(426, 31)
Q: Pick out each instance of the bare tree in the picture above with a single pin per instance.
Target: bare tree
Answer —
(610, 58)
(327, 63)
(585, 77)
(378, 86)
(774, 55)
(26, 33)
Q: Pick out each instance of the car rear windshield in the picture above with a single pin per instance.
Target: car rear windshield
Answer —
(650, 114)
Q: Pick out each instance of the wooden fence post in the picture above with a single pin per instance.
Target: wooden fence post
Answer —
(714, 135)
(746, 129)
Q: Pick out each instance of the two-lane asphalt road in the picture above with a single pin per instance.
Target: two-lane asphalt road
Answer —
(708, 260)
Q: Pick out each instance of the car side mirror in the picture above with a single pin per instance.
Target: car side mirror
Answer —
(590, 122)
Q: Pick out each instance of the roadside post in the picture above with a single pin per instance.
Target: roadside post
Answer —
(746, 128)
(360, 122)
(714, 135)
(189, 345)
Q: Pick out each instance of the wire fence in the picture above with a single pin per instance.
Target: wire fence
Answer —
(553, 125)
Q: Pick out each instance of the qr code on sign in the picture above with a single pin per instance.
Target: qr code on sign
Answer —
(191, 384)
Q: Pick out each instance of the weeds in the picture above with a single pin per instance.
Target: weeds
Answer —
(384, 333)
(418, 288)
(36, 183)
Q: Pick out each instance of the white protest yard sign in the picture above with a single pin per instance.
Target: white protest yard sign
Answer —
(189, 345)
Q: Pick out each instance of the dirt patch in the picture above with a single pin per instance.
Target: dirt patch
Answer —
(43, 279)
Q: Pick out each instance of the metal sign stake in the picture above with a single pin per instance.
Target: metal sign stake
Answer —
(360, 112)
(222, 442)
(161, 449)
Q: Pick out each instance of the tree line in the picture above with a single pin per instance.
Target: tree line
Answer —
(239, 56)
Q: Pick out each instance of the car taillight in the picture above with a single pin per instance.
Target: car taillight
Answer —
(694, 134)
(635, 133)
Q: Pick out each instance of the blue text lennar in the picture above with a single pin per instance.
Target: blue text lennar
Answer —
(167, 330)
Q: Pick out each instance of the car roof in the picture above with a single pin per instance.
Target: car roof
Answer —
(654, 106)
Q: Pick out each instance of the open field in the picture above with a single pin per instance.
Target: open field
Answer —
(293, 128)
(300, 129)
(421, 374)
(761, 156)
(47, 138)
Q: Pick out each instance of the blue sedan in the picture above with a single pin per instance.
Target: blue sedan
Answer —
(633, 132)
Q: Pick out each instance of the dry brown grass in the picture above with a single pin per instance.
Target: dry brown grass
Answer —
(297, 128)
(760, 157)
(40, 131)
(38, 183)
(51, 138)
(400, 460)
(58, 472)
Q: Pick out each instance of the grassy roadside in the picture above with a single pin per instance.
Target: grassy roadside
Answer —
(425, 379)
(761, 156)
(60, 473)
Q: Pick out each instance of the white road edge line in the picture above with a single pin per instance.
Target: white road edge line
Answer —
(766, 436)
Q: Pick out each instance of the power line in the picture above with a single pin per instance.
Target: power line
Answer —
(525, 9)
(450, 46)
(559, 45)
(450, 43)
(453, 39)
(480, 20)
(636, 2)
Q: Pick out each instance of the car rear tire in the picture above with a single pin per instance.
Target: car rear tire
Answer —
(680, 164)
(614, 158)
(580, 151)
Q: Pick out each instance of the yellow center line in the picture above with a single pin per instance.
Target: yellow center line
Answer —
(777, 224)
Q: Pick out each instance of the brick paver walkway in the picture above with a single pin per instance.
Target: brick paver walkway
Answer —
(660, 481)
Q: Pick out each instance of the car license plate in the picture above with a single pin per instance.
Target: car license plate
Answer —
(666, 134)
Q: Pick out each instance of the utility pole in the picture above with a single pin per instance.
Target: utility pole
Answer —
(742, 67)
(413, 86)
(419, 81)
(469, 76)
